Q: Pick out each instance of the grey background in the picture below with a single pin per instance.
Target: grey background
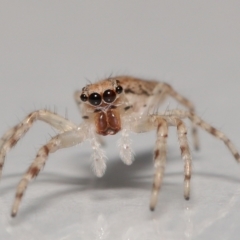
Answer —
(49, 48)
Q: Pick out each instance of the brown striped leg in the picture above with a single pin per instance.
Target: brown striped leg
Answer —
(159, 160)
(64, 140)
(186, 155)
(207, 127)
(185, 102)
(218, 134)
(12, 136)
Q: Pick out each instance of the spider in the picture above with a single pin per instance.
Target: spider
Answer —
(121, 104)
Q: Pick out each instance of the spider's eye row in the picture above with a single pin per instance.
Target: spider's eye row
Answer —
(109, 96)
(95, 99)
(84, 97)
(119, 89)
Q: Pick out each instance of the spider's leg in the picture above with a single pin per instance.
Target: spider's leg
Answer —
(63, 140)
(12, 136)
(218, 134)
(149, 123)
(186, 155)
(207, 127)
(160, 154)
(166, 89)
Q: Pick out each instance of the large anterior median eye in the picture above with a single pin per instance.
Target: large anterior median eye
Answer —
(95, 99)
(109, 96)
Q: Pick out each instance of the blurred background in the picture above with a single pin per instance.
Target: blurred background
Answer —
(48, 49)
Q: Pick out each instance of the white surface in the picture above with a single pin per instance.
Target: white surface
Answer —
(49, 48)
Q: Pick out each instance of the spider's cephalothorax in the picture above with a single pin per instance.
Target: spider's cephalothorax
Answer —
(120, 104)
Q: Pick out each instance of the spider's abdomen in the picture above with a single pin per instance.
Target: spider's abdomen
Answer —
(108, 122)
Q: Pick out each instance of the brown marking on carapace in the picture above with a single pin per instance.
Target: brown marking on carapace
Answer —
(128, 90)
(85, 117)
(144, 91)
(127, 107)
(108, 123)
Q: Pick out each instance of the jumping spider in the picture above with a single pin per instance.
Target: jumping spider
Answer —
(120, 104)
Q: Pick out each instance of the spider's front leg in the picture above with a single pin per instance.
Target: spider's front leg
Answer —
(145, 124)
(166, 90)
(161, 123)
(12, 136)
(63, 140)
(160, 154)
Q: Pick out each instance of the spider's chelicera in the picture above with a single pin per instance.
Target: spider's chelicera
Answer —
(121, 104)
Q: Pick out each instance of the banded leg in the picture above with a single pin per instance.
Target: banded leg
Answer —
(186, 156)
(63, 140)
(12, 136)
(146, 124)
(185, 102)
(218, 134)
(160, 154)
(207, 127)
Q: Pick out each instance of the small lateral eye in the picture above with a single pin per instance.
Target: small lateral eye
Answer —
(109, 96)
(84, 97)
(95, 99)
(119, 89)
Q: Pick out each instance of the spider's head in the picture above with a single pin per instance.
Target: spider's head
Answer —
(102, 94)
(100, 105)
